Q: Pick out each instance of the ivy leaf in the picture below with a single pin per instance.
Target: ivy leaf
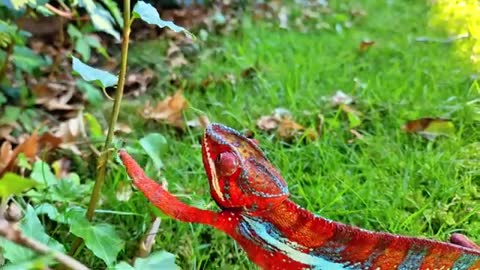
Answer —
(150, 15)
(94, 95)
(155, 145)
(157, 260)
(12, 184)
(100, 77)
(101, 239)
(33, 228)
(42, 173)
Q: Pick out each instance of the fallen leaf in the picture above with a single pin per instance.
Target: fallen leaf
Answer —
(200, 122)
(283, 17)
(122, 128)
(55, 96)
(137, 83)
(267, 123)
(175, 56)
(5, 131)
(356, 134)
(281, 121)
(430, 127)
(168, 110)
(28, 147)
(288, 128)
(365, 45)
(249, 73)
(341, 98)
(70, 131)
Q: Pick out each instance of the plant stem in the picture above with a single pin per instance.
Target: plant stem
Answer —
(4, 67)
(105, 155)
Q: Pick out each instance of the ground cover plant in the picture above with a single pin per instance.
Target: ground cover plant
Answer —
(370, 111)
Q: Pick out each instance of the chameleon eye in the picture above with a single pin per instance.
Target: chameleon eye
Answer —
(226, 163)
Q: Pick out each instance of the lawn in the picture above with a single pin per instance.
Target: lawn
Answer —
(389, 180)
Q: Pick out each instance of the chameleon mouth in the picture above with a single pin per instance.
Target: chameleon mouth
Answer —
(215, 185)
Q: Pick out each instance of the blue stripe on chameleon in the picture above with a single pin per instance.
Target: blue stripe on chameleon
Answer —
(273, 239)
(414, 259)
(465, 261)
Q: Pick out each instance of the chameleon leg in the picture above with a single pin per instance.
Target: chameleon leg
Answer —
(464, 241)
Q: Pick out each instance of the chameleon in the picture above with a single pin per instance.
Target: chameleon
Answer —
(275, 232)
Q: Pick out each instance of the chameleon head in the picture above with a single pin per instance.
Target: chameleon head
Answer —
(239, 174)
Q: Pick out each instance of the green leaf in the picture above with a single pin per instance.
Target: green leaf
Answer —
(157, 260)
(13, 184)
(83, 48)
(101, 239)
(42, 173)
(122, 266)
(27, 60)
(10, 115)
(94, 127)
(94, 95)
(3, 99)
(90, 74)
(51, 211)
(115, 11)
(102, 21)
(353, 120)
(155, 145)
(73, 32)
(22, 162)
(150, 15)
(33, 228)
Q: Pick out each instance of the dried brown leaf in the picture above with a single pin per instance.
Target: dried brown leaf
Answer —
(365, 45)
(430, 127)
(137, 83)
(168, 110)
(70, 132)
(341, 98)
(29, 147)
(200, 122)
(175, 56)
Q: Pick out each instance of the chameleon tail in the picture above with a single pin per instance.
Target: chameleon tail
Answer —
(162, 199)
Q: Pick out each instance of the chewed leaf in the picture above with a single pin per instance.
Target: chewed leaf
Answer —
(150, 15)
(100, 77)
(430, 128)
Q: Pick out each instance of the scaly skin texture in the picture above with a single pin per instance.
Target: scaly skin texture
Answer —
(278, 234)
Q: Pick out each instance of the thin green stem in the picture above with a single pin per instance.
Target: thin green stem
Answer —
(105, 155)
(4, 67)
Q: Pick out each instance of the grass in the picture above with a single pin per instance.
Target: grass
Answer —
(390, 181)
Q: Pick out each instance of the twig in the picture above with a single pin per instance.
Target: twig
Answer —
(145, 246)
(66, 14)
(9, 232)
(59, 12)
(105, 154)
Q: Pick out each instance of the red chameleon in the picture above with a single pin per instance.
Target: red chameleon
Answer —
(276, 233)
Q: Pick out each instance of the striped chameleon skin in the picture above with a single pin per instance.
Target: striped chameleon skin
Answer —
(278, 234)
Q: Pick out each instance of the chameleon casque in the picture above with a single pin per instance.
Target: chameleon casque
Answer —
(276, 233)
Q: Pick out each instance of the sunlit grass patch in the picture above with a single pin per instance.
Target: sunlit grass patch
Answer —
(461, 19)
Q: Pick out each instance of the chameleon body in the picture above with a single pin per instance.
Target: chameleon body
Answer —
(276, 233)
